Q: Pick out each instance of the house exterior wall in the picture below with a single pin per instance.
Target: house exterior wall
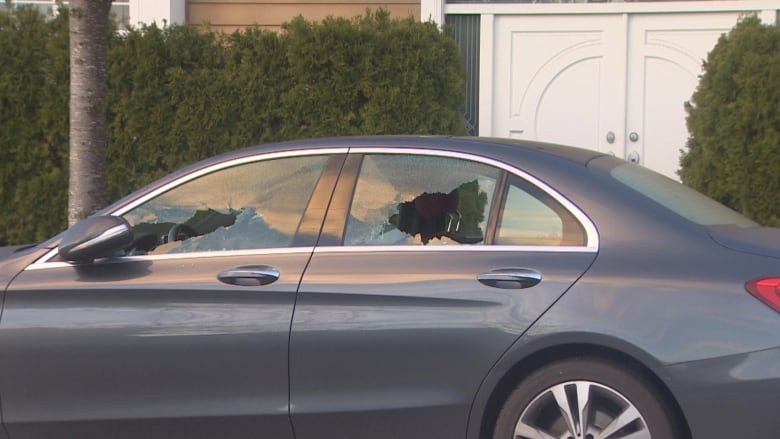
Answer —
(229, 15)
(613, 77)
(162, 12)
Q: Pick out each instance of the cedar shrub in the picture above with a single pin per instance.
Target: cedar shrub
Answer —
(734, 123)
(183, 93)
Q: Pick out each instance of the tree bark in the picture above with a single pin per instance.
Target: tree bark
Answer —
(88, 103)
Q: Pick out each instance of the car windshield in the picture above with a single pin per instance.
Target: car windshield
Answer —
(678, 198)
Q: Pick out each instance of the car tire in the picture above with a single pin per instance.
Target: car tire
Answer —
(617, 403)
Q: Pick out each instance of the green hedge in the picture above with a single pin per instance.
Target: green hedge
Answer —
(734, 123)
(34, 77)
(179, 94)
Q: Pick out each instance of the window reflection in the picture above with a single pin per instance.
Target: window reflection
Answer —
(405, 199)
(531, 217)
(256, 205)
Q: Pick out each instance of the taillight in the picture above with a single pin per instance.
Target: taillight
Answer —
(767, 290)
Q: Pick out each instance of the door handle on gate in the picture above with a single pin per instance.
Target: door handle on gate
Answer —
(510, 278)
(249, 275)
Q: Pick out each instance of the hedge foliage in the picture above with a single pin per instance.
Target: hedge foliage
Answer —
(179, 94)
(34, 77)
(734, 123)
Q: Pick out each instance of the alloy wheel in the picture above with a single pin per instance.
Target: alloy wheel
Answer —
(581, 410)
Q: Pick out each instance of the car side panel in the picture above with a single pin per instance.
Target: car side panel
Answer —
(13, 261)
(396, 343)
(740, 389)
(692, 325)
(148, 348)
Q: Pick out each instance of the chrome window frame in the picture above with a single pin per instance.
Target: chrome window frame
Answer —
(174, 256)
(43, 261)
(223, 165)
(591, 234)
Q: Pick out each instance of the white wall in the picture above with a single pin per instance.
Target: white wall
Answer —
(157, 11)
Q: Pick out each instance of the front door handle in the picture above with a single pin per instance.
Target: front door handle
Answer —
(249, 275)
(510, 278)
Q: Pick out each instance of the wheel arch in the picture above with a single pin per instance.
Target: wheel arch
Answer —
(485, 415)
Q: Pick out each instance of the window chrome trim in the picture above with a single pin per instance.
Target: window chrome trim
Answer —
(453, 248)
(223, 165)
(175, 256)
(591, 234)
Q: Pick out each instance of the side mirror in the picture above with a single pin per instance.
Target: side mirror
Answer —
(95, 237)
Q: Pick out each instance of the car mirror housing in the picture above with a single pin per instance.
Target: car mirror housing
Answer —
(95, 237)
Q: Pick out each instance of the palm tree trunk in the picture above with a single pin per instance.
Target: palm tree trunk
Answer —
(88, 102)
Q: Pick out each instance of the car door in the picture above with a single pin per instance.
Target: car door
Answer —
(185, 335)
(420, 282)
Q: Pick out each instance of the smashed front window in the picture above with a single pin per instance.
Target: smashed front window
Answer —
(253, 205)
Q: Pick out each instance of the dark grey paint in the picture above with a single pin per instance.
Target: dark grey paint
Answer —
(125, 349)
(759, 241)
(380, 337)
(392, 344)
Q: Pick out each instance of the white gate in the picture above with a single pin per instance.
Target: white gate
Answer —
(612, 77)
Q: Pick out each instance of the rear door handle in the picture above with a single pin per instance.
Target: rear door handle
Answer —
(510, 278)
(249, 275)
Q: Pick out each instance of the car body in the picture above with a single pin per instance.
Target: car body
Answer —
(396, 287)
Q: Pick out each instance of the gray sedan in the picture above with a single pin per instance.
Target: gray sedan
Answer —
(397, 288)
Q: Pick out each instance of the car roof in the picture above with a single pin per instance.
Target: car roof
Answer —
(536, 154)
(472, 145)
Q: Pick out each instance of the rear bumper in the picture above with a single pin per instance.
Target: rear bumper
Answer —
(729, 397)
